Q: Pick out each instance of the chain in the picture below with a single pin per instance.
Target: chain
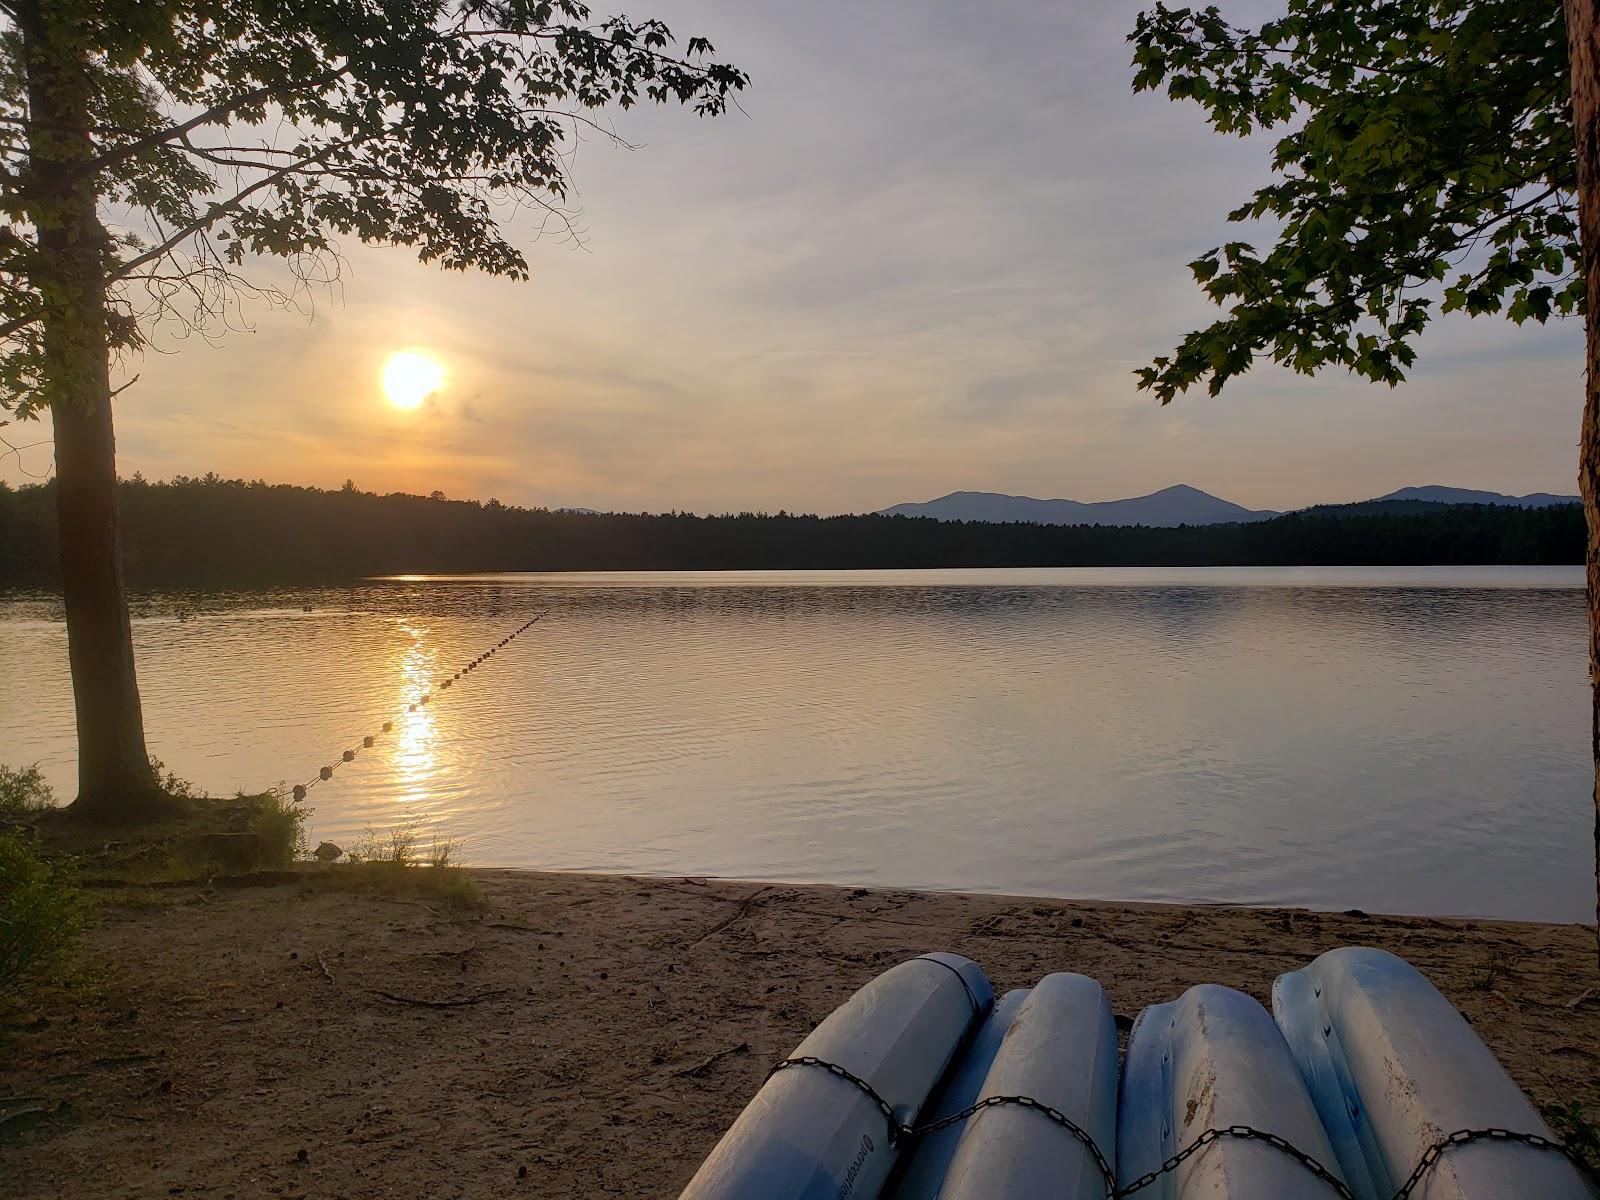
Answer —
(895, 1128)
(899, 1131)
(1251, 1134)
(1055, 1114)
(299, 791)
(1463, 1136)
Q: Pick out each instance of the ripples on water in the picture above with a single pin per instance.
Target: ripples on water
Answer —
(1400, 741)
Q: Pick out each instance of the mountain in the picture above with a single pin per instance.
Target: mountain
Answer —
(1448, 495)
(1178, 505)
(1185, 505)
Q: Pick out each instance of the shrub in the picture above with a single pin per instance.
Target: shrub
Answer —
(23, 791)
(280, 824)
(41, 914)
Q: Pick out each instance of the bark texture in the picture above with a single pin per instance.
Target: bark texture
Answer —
(1583, 28)
(115, 780)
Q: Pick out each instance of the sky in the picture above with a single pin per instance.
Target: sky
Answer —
(926, 256)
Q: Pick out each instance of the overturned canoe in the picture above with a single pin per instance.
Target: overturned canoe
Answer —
(1360, 1074)
(1060, 1052)
(1394, 1069)
(810, 1134)
(925, 1168)
(1209, 1060)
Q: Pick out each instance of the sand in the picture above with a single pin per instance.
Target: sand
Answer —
(596, 1035)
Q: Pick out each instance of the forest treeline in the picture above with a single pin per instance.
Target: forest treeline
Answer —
(218, 532)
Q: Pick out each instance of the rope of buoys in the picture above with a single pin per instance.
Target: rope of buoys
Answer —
(324, 774)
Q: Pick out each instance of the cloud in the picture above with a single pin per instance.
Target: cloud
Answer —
(930, 256)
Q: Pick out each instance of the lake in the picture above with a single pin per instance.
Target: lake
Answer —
(1403, 740)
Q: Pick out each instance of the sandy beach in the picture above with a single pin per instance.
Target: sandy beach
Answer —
(593, 1036)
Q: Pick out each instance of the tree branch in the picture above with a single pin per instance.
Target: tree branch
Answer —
(216, 112)
(214, 214)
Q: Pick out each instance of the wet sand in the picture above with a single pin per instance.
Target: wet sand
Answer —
(594, 1035)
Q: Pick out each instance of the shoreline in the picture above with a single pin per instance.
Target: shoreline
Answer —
(592, 1034)
(1030, 897)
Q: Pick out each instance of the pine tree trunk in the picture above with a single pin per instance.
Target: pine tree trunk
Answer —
(115, 780)
(1583, 30)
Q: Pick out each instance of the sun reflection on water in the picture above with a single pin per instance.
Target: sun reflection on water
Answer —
(415, 756)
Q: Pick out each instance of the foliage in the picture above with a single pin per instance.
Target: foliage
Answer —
(23, 791)
(213, 533)
(206, 837)
(1574, 1127)
(222, 132)
(41, 914)
(173, 784)
(1427, 166)
(393, 862)
(279, 824)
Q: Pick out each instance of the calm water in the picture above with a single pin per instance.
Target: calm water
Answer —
(1407, 741)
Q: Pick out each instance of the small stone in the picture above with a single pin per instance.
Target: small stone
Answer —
(328, 852)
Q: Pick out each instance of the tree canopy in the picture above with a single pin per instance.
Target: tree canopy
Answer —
(1426, 166)
(219, 533)
(226, 131)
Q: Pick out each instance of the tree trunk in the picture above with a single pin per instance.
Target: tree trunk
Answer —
(115, 780)
(1583, 43)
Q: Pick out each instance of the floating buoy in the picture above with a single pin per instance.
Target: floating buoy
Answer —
(326, 773)
(413, 708)
(367, 741)
(349, 756)
(299, 791)
(427, 697)
(387, 726)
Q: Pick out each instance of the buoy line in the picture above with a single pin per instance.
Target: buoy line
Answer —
(324, 774)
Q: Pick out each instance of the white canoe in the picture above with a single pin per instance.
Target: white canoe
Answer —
(811, 1135)
(924, 1171)
(1393, 1068)
(1211, 1059)
(1061, 1051)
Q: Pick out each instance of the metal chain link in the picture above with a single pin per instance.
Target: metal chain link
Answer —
(1055, 1114)
(1463, 1136)
(1430, 1158)
(1249, 1133)
(897, 1130)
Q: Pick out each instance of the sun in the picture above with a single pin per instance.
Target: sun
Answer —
(410, 377)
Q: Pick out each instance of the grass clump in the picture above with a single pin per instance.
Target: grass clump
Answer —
(41, 913)
(394, 862)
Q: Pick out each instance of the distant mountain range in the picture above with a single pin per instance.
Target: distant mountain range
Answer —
(1182, 505)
